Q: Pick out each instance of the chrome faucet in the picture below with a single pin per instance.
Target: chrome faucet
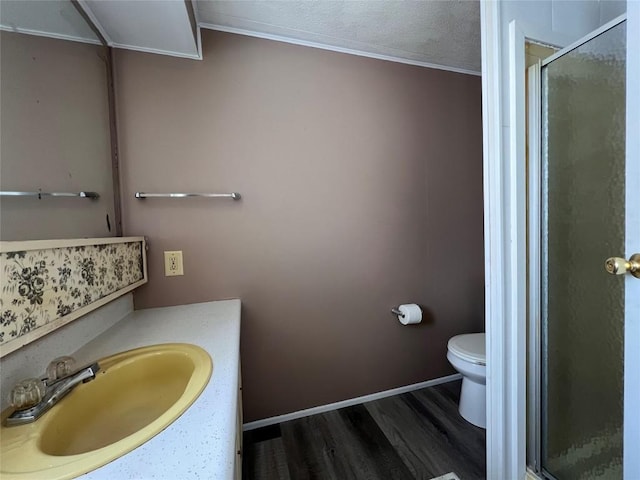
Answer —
(54, 391)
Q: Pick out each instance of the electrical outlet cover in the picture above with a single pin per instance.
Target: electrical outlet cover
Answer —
(173, 263)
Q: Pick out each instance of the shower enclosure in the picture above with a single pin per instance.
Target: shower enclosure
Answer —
(582, 213)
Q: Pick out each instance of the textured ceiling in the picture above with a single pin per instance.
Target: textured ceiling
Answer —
(437, 33)
(49, 18)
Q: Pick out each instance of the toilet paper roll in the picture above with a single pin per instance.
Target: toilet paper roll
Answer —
(411, 313)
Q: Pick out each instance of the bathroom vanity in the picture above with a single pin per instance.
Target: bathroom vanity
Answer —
(204, 442)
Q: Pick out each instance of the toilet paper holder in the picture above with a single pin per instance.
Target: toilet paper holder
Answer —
(396, 311)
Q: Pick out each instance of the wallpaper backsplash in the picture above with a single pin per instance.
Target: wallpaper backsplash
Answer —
(41, 286)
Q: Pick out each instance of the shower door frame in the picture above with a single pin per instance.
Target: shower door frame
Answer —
(505, 213)
(631, 436)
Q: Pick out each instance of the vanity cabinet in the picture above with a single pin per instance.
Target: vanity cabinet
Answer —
(197, 441)
(238, 461)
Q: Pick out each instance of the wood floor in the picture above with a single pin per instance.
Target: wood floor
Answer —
(417, 435)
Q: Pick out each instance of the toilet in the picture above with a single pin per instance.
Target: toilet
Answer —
(467, 355)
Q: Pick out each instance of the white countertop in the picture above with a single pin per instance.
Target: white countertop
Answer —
(200, 444)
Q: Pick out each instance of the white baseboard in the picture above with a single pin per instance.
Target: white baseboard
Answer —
(347, 403)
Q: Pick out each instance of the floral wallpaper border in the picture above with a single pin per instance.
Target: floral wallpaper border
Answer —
(45, 288)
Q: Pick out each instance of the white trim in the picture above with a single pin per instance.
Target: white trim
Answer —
(322, 46)
(515, 323)
(192, 56)
(26, 245)
(57, 36)
(96, 23)
(502, 407)
(348, 403)
(196, 17)
(198, 39)
(631, 429)
(581, 41)
(534, 259)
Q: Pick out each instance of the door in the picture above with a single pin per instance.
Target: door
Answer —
(590, 337)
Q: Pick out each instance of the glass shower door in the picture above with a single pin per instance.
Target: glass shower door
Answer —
(583, 223)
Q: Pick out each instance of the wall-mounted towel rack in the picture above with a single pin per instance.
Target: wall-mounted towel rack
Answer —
(92, 195)
(234, 195)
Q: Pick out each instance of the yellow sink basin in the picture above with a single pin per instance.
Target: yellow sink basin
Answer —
(135, 395)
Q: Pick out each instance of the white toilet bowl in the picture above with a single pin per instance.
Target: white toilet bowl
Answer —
(467, 355)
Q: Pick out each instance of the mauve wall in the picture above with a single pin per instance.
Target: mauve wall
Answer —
(362, 189)
(55, 136)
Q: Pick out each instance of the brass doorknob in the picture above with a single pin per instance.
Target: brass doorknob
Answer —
(620, 266)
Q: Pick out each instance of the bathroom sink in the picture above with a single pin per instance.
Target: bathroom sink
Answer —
(134, 396)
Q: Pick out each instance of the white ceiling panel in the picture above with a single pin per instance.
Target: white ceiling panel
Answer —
(47, 18)
(442, 34)
(155, 26)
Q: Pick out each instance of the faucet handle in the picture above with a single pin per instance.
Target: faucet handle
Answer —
(59, 368)
(27, 393)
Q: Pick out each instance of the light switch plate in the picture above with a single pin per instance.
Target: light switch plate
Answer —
(173, 263)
